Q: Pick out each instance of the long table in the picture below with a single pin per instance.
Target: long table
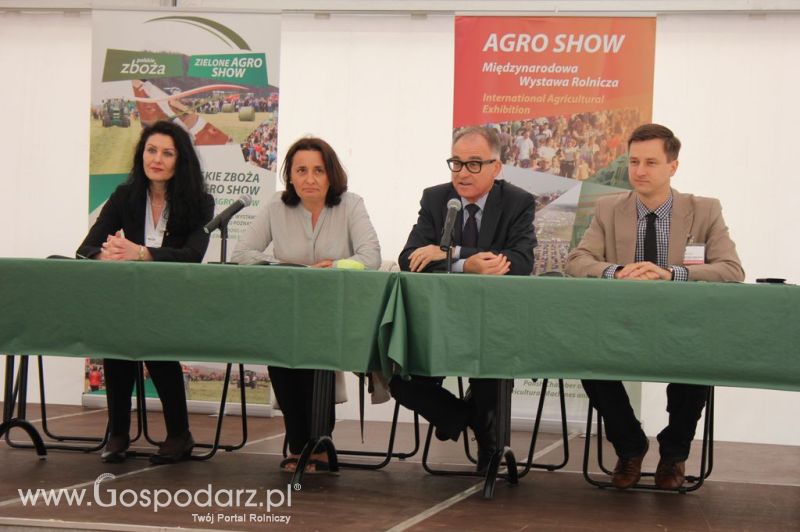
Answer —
(293, 317)
(726, 334)
(421, 324)
(433, 324)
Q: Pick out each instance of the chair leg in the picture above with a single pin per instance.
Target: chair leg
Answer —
(707, 452)
(17, 394)
(142, 427)
(213, 446)
(434, 471)
(536, 425)
(587, 449)
(221, 415)
(389, 454)
(467, 451)
(412, 452)
(503, 456)
(100, 442)
(600, 439)
(694, 482)
(529, 463)
(17, 391)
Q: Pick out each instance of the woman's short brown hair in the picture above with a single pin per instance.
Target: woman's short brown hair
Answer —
(337, 177)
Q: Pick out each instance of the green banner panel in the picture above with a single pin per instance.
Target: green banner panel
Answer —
(101, 186)
(125, 64)
(245, 69)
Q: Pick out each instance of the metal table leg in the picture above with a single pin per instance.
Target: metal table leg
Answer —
(504, 451)
(320, 414)
(10, 398)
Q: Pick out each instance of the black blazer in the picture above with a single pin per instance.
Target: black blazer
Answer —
(178, 246)
(506, 226)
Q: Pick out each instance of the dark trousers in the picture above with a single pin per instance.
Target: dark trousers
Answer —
(445, 411)
(294, 389)
(684, 403)
(168, 379)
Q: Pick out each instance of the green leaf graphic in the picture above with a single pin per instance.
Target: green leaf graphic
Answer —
(234, 37)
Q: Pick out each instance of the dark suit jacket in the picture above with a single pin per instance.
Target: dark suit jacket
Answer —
(506, 226)
(178, 246)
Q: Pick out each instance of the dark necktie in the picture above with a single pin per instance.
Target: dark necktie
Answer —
(650, 242)
(470, 237)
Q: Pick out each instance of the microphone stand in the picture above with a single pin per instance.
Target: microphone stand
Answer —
(223, 246)
(450, 259)
(449, 250)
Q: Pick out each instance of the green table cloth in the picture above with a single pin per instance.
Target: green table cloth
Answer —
(427, 324)
(294, 317)
(711, 333)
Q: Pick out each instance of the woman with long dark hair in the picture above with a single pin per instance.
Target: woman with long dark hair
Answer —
(158, 214)
(315, 222)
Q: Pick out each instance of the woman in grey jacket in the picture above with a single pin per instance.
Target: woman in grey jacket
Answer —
(314, 222)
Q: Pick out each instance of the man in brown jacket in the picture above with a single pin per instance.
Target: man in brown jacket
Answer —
(653, 233)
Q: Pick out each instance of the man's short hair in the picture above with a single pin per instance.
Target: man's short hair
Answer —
(488, 133)
(672, 146)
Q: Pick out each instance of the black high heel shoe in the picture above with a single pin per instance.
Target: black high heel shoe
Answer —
(116, 448)
(174, 449)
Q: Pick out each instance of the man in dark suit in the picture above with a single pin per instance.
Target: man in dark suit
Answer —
(493, 235)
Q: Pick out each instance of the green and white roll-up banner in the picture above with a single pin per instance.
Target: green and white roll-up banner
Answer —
(217, 76)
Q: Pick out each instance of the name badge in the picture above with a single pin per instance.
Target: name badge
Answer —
(694, 254)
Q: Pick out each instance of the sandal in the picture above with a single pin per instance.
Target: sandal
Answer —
(286, 462)
(319, 467)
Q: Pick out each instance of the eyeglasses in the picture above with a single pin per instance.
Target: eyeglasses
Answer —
(473, 167)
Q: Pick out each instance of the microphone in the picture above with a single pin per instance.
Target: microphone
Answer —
(222, 218)
(453, 206)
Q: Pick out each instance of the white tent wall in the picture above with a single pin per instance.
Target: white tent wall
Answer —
(379, 88)
(726, 84)
(44, 151)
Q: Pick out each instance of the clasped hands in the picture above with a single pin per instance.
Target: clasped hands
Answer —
(485, 262)
(643, 271)
(117, 247)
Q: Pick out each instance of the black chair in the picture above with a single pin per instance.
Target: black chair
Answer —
(96, 443)
(693, 482)
(390, 452)
(214, 446)
(529, 463)
(385, 455)
(93, 443)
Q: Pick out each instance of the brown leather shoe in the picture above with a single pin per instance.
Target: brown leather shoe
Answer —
(670, 475)
(628, 471)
